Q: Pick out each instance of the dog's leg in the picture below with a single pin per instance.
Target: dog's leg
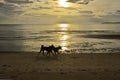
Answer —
(39, 52)
(53, 52)
(43, 52)
(47, 52)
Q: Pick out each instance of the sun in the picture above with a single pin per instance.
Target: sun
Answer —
(64, 25)
(63, 3)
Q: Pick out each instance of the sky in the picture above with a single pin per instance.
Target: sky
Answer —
(59, 11)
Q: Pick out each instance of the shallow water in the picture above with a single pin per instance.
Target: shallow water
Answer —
(29, 37)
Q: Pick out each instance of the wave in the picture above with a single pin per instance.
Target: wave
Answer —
(6, 25)
(111, 23)
(49, 34)
(24, 38)
(81, 31)
(104, 36)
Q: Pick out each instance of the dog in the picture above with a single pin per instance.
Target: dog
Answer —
(48, 49)
(56, 49)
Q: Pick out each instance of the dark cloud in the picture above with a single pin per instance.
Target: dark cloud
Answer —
(19, 1)
(73, 1)
(9, 8)
(118, 11)
(80, 1)
(86, 12)
(44, 7)
(7, 5)
(72, 8)
(41, 7)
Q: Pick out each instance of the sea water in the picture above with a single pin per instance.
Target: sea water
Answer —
(29, 37)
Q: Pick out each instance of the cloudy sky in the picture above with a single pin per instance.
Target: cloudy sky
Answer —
(59, 11)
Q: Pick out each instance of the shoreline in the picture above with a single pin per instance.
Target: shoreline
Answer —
(73, 51)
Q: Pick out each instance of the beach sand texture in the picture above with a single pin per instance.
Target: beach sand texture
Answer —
(29, 66)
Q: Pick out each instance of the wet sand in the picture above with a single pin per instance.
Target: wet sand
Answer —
(29, 66)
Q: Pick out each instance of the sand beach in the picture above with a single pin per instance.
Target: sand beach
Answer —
(29, 66)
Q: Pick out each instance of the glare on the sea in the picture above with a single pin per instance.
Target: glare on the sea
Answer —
(64, 36)
(64, 45)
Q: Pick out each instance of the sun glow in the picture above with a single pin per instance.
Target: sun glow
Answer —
(63, 3)
(64, 26)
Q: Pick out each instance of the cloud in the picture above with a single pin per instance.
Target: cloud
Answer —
(80, 19)
(73, 1)
(86, 12)
(2, 17)
(111, 18)
(41, 7)
(97, 11)
(80, 1)
(8, 12)
(118, 12)
(19, 1)
(9, 8)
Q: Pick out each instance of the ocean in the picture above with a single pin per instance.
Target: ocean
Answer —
(74, 38)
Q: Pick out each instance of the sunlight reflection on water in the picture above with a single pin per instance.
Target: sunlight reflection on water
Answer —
(65, 36)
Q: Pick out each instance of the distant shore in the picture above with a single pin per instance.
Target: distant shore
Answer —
(29, 66)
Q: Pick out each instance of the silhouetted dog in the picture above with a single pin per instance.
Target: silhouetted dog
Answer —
(45, 48)
(56, 49)
(49, 49)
